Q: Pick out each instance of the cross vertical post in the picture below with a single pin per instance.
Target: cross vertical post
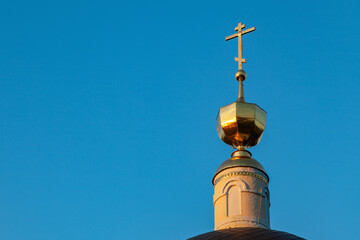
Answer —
(240, 59)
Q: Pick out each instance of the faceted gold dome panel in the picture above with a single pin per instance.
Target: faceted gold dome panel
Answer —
(241, 125)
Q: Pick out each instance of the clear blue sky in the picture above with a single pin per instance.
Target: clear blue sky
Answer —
(107, 115)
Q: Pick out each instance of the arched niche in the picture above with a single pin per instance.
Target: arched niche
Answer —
(233, 190)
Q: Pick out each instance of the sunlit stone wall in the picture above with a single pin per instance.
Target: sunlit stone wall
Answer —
(241, 198)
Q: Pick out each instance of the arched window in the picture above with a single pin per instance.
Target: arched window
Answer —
(233, 201)
(233, 196)
(267, 201)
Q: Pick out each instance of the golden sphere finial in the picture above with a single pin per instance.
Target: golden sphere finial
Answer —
(240, 75)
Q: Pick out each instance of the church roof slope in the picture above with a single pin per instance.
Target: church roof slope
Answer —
(245, 233)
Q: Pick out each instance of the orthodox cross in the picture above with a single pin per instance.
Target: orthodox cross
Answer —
(238, 35)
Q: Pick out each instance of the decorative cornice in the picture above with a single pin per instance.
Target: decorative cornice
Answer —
(237, 220)
(262, 178)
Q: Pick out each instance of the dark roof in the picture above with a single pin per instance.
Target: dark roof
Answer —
(246, 233)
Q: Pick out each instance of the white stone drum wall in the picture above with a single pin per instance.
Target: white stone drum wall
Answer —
(241, 198)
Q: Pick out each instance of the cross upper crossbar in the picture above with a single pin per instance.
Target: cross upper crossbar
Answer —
(238, 35)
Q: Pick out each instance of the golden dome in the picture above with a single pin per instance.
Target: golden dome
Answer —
(241, 124)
